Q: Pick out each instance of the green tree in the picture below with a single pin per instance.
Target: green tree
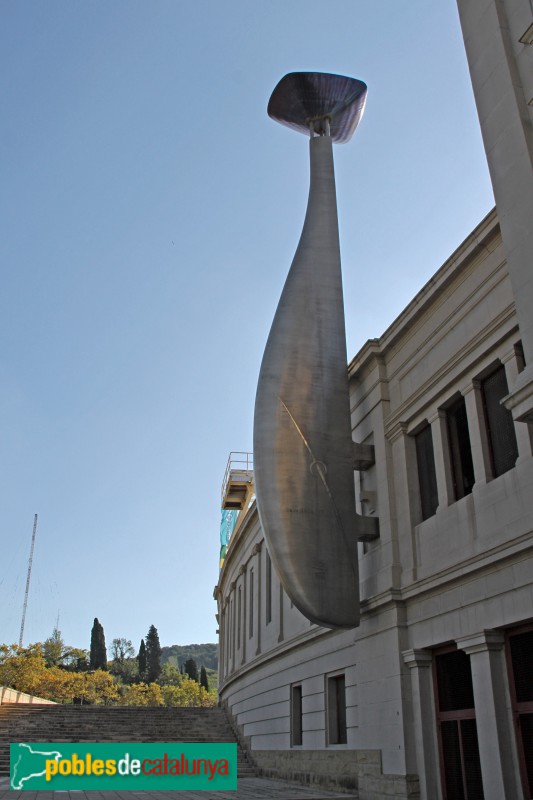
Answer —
(191, 669)
(121, 649)
(153, 655)
(54, 649)
(76, 660)
(98, 656)
(58, 654)
(141, 660)
(123, 665)
(203, 679)
(170, 676)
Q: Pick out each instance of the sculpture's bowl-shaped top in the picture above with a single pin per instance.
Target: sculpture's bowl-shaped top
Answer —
(302, 98)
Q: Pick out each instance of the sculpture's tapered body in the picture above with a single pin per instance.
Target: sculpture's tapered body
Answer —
(302, 433)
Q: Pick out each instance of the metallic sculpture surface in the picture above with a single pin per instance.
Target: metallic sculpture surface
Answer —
(302, 433)
(301, 98)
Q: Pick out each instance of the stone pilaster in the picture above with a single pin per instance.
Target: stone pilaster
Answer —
(496, 738)
(479, 440)
(441, 453)
(523, 438)
(419, 663)
(407, 494)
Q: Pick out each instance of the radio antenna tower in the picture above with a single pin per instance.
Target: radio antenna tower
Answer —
(28, 581)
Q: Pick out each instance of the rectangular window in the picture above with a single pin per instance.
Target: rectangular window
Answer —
(296, 716)
(268, 592)
(499, 422)
(336, 709)
(233, 636)
(226, 629)
(251, 604)
(520, 357)
(239, 616)
(427, 478)
(457, 730)
(460, 449)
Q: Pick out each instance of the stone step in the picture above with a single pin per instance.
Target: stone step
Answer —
(34, 723)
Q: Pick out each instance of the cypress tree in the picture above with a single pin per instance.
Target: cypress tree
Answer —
(141, 660)
(191, 669)
(98, 656)
(203, 679)
(153, 655)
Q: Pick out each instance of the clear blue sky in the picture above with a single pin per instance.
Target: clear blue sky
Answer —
(150, 210)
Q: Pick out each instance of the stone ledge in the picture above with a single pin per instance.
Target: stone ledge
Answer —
(344, 770)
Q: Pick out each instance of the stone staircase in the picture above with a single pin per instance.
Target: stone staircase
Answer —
(45, 723)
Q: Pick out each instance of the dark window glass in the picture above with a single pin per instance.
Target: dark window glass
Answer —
(233, 637)
(522, 659)
(251, 612)
(454, 681)
(471, 762)
(336, 710)
(460, 757)
(427, 478)
(526, 732)
(296, 715)
(451, 756)
(460, 450)
(268, 598)
(521, 663)
(520, 357)
(461, 769)
(239, 617)
(499, 421)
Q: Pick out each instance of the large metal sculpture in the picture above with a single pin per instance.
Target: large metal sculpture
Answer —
(302, 433)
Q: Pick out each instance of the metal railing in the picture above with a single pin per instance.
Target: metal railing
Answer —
(238, 461)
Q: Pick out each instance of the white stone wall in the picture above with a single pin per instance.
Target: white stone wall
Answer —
(465, 572)
(496, 35)
(9, 696)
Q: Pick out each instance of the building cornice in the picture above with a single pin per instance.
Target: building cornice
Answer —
(479, 240)
(502, 326)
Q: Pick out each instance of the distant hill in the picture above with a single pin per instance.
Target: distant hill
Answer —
(205, 655)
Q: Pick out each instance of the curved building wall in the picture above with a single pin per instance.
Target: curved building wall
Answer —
(449, 580)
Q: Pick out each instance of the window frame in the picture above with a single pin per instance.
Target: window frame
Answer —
(460, 450)
(457, 716)
(496, 417)
(251, 604)
(296, 709)
(336, 713)
(425, 452)
(268, 589)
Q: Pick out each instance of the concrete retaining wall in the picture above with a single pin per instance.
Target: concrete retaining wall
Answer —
(8, 695)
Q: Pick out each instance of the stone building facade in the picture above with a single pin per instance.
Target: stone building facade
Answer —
(428, 693)
(432, 695)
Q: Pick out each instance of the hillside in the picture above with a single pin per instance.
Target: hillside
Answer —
(205, 655)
